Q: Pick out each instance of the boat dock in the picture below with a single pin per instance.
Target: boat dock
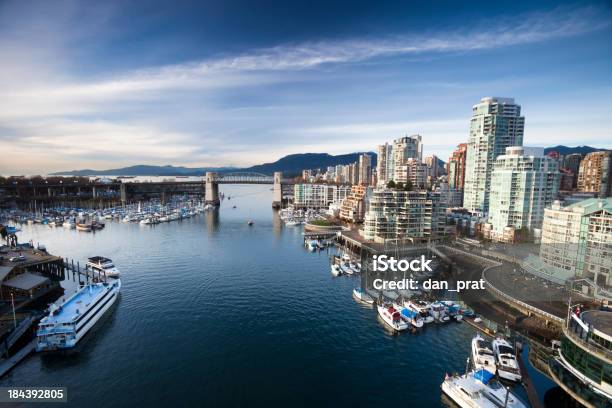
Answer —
(7, 364)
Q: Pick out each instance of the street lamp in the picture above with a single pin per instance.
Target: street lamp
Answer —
(13, 304)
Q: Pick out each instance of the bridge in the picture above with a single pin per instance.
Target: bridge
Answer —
(213, 179)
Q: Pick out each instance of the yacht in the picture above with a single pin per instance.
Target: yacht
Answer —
(104, 266)
(335, 270)
(482, 355)
(392, 317)
(421, 307)
(507, 365)
(438, 312)
(477, 389)
(67, 324)
(361, 295)
(409, 316)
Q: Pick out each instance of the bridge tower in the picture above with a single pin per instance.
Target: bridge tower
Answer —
(277, 197)
(211, 192)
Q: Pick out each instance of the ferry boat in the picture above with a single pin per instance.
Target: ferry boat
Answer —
(477, 390)
(67, 324)
(507, 365)
(104, 266)
(392, 317)
(361, 295)
(482, 355)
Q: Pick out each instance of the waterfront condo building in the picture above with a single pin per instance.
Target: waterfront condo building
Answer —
(318, 196)
(496, 124)
(595, 173)
(365, 169)
(353, 206)
(523, 182)
(576, 245)
(400, 216)
(384, 164)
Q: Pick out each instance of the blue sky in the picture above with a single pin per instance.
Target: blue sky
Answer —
(241, 83)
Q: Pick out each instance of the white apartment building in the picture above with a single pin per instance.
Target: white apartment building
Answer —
(496, 124)
(318, 195)
(385, 164)
(404, 216)
(523, 183)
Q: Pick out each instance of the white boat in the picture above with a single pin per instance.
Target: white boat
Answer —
(70, 224)
(354, 267)
(312, 245)
(453, 310)
(438, 312)
(335, 270)
(145, 221)
(392, 317)
(409, 316)
(103, 266)
(346, 258)
(477, 390)
(482, 355)
(67, 324)
(360, 295)
(421, 307)
(83, 227)
(291, 223)
(507, 365)
(346, 269)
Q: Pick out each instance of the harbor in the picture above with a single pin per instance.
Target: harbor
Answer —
(275, 269)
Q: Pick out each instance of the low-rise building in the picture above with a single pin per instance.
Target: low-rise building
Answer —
(318, 196)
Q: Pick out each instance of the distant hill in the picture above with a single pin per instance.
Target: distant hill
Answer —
(291, 165)
(144, 170)
(565, 150)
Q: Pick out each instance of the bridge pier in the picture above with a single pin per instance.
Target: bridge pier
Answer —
(277, 196)
(211, 191)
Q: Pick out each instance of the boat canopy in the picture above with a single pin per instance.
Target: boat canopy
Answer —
(483, 376)
(409, 313)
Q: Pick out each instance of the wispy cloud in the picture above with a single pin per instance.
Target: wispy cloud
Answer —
(126, 115)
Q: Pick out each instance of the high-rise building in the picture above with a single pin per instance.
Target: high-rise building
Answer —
(405, 148)
(318, 196)
(523, 183)
(496, 124)
(384, 164)
(412, 171)
(365, 169)
(456, 167)
(404, 216)
(595, 174)
(354, 173)
(433, 170)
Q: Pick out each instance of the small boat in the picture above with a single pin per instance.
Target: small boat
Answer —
(409, 316)
(312, 245)
(70, 224)
(145, 221)
(438, 312)
(507, 365)
(482, 355)
(83, 227)
(453, 310)
(250, 222)
(422, 308)
(354, 267)
(335, 270)
(346, 269)
(104, 266)
(67, 324)
(392, 317)
(290, 223)
(477, 389)
(361, 295)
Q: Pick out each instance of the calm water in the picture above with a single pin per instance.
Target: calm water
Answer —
(216, 313)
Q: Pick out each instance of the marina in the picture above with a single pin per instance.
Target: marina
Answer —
(152, 272)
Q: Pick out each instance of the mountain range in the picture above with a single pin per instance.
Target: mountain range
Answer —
(290, 165)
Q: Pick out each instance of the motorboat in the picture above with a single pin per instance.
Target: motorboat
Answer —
(453, 310)
(362, 296)
(505, 358)
(70, 224)
(438, 312)
(478, 389)
(103, 266)
(346, 269)
(392, 317)
(409, 316)
(81, 226)
(335, 270)
(482, 355)
(421, 307)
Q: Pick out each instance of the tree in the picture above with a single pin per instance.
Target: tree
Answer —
(408, 185)
(391, 184)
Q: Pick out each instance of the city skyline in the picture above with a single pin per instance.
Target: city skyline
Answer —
(164, 89)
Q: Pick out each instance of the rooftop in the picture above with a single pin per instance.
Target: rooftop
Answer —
(600, 319)
(591, 205)
(77, 302)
